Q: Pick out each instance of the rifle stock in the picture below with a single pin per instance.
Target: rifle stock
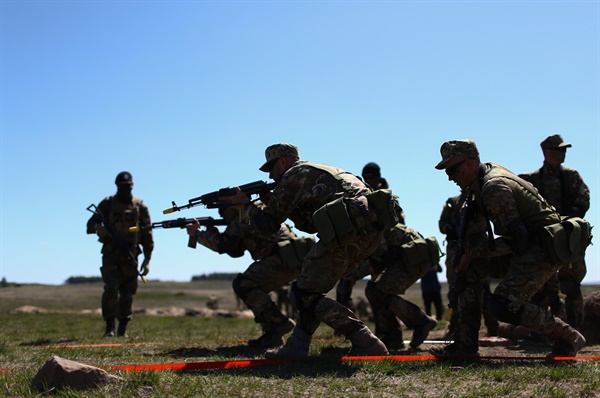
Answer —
(460, 250)
(211, 199)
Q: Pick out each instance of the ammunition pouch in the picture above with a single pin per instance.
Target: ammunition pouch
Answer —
(386, 208)
(293, 251)
(421, 253)
(566, 241)
(334, 223)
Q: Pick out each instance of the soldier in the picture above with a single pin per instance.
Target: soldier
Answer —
(518, 214)
(449, 224)
(401, 259)
(564, 189)
(272, 268)
(120, 249)
(349, 219)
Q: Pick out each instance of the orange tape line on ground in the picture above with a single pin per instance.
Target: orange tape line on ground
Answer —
(245, 363)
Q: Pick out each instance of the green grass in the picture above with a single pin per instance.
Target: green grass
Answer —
(28, 340)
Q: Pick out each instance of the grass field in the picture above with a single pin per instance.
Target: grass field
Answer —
(72, 328)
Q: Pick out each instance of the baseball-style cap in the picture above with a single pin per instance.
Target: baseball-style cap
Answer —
(276, 151)
(124, 177)
(554, 141)
(461, 149)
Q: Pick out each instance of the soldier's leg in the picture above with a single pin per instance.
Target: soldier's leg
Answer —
(110, 295)
(511, 302)
(387, 327)
(570, 277)
(127, 289)
(491, 323)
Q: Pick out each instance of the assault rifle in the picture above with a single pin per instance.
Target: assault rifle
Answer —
(211, 200)
(125, 249)
(181, 223)
(457, 279)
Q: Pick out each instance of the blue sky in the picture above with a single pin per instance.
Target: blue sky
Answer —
(186, 95)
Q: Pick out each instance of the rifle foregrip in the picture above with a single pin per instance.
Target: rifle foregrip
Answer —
(192, 242)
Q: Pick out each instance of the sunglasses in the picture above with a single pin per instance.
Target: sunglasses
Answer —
(454, 168)
(561, 149)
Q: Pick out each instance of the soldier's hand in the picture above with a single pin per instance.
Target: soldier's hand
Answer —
(192, 227)
(102, 232)
(145, 268)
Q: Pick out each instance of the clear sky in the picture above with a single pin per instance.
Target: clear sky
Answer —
(186, 95)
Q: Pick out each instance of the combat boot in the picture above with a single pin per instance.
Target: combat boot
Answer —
(273, 335)
(110, 328)
(422, 331)
(456, 350)
(297, 346)
(365, 343)
(569, 342)
(122, 330)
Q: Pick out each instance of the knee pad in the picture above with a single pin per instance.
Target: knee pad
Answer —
(498, 306)
(304, 299)
(242, 286)
(569, 287)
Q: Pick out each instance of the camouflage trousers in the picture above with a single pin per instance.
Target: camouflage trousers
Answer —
(321, 269)
(521, 277)
(120, 285)
(567, 281)
(384, 293)
(260, 278)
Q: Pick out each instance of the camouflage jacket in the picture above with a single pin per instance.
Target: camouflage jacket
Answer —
(239, 237)
(449, 223)
(562, 187)
(303, 189)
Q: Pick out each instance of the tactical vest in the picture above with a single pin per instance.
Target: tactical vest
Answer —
(122, 216)
(418, 252)
(338, 220)
(563, 239)
(293, 251)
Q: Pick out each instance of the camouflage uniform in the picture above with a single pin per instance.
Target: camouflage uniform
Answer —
(391, 275)
(267, 273)
(119, 272)
(299, 192)
(564, 189)
(518, 214)
(449, 225)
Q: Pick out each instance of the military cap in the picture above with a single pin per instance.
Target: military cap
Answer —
(372, 168)
(124, 177)
(462, 149)
(554, 141)
(276, 151)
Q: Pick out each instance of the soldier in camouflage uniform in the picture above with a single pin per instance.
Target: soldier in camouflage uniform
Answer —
(391, 274)
(119, 253)
(267, 273)
(371, 174)
(449, 225)
(518, 214)
(303, 188)
(564, 189)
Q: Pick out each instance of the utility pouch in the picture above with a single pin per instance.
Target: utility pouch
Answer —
(566, 241)
(334, 223)
(385, 206)
(421, 253)
(293, 251)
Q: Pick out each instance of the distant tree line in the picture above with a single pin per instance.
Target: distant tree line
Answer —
(73, 280)
(216, 276)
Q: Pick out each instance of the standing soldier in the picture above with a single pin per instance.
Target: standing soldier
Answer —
(349, 219)
(523, 254)
(120, 249)
(564, 189)
(277, 258)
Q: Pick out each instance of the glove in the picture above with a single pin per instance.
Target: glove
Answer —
(102, 232)
(145, 268)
